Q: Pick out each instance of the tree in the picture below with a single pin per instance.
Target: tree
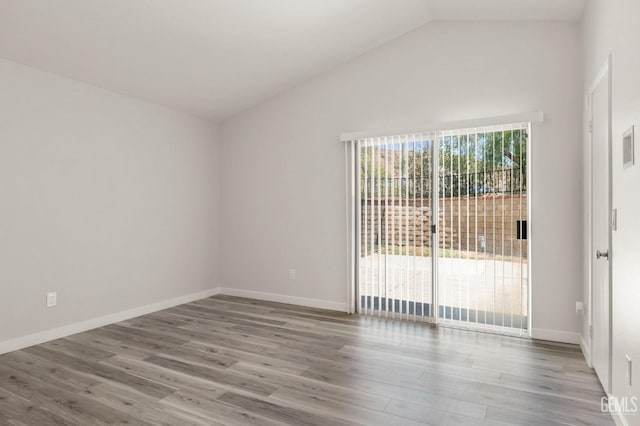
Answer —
(474, 163)
(372, 169)
(469, 164)
(507, 149)
(506, 154)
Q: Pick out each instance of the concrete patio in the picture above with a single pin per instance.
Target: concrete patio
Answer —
(474, 286)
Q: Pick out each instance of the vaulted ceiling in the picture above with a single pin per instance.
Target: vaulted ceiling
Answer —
(214, 58)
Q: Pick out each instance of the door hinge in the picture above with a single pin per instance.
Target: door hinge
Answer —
(590, 331)
(591, 126)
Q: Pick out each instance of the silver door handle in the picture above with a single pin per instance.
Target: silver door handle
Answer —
(600, 254)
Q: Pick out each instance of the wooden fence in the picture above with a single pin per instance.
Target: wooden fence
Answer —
(481, 224)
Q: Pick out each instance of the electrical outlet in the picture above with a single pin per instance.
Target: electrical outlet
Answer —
(579, 307)
(292, 274)
(52, 299)
(629, 370)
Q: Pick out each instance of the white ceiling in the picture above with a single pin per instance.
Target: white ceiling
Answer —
(214, 58)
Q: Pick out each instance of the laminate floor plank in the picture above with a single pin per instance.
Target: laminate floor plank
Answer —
(528, 403)
(63, 405)
(228, 316)
(249, 357)
(29, 386)
(37, 416)
(234, 340)
(220, 303)
(139, 343)
(12, 405)
(215, 411)
(78, 349)
(227, 360)
(344, 409)
(132, 333)
(314, 389)
(204, 358)
(417, 394)
(78, 410)
(171, 378)
(64, 377)
(228, 378)
(141, 406)
(374, 358)
(282, 412)
(109, 345)
(102, 371)
(433, 416)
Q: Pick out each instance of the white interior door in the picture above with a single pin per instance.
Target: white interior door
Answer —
(600, 229)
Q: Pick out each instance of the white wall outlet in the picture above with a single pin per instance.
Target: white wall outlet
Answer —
(292, 274)
(629, 369)
(52, 299)
(579, 307)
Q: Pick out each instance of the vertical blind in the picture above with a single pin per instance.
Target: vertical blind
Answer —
(471, 256)
(396, 190)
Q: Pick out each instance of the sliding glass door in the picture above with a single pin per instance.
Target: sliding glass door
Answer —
(482, 263)
(396, 268)
(471, 255)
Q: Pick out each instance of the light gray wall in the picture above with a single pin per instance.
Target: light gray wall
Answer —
(282, 166)
(611, 26)
(110, 201)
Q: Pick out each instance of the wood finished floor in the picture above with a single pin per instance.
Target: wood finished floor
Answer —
(227, 360)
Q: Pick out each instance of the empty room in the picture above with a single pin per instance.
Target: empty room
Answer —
(319, 212)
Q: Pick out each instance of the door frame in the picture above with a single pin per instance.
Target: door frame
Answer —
(353, 202)
(603, 73)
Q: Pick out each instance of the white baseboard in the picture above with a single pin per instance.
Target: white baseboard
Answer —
(619, 419)
(555, 335)
(67, 330)
(281, 298)
(586, 350)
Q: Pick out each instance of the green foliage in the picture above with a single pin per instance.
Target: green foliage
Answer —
(469, 164)
(507, 149)
(372, 167)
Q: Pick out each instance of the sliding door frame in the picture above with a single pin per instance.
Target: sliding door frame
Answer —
(435, 230)
(354, 203)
